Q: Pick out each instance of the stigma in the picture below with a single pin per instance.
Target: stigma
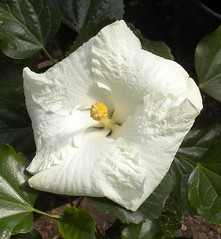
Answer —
(98, 111)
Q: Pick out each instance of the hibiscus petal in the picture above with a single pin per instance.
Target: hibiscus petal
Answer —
(66, 86)
(101, 167)
(157, 129)
(131, 73)
(57, 137)
(55, 134)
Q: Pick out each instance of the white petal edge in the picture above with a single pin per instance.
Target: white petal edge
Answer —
(131, 73)
(66, 86)
(101, 168)
(156, 130)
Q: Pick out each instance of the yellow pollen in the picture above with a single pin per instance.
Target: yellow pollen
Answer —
(98, 111)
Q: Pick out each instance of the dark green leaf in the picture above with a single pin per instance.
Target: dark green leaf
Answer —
(15, 125)
(208, 64)
(86, 34)
(145, 230)
(33, 234)
(197, 145)
(212, 158)
(90, 30)
(16, 198)
(76, 224)
(205, 193)
(150, 209)
(181, 170)
(80, 13)
(156, 47)
(25, 26)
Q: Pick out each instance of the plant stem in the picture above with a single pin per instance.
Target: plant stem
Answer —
(48, 55)
(47, 214)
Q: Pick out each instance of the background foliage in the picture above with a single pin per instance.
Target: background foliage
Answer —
(31, 32)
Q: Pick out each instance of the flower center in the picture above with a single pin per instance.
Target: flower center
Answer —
(98, 111)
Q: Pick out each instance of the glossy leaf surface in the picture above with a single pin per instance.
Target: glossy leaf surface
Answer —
(204, 185)
(145, 230)
(25, 26)
(16, 197)
(208, 64)
(194, 149)
(76, 224)
(33, 234)
(79, 13)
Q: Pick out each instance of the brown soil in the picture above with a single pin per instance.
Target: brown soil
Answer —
(192, 227)
(197, 228)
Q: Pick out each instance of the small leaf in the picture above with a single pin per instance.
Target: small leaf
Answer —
(79, 13)
(150, 209)
(145, 230)
(205, 193)
(208, 64)
(76, 224)
(87, 32)
(25, 26)
(156, 47)
(16, 198)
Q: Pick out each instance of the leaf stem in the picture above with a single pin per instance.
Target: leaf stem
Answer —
(48, 55)
(47, 214)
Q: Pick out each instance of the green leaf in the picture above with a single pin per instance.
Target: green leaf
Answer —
(79, 13)
(15, 124)
(197, 145)
(205, 193)
(150, 209)
(25, 26)
(145, 230)
(76, 224)
(156, 47)
(33, 234)
(16, 198)
(89, 17)
(87, 32)
(212, 158)
(181, 170)
(208, 64)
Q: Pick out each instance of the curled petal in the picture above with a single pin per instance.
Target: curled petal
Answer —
(131, 73)
(66, 86)
(101, 167)
(156, 130)
(56, 136)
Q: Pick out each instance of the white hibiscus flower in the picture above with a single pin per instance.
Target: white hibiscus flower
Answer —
(109, 119)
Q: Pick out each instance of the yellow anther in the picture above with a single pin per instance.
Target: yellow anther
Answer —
(98, 111)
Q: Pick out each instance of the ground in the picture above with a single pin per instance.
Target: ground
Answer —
(192, 227)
